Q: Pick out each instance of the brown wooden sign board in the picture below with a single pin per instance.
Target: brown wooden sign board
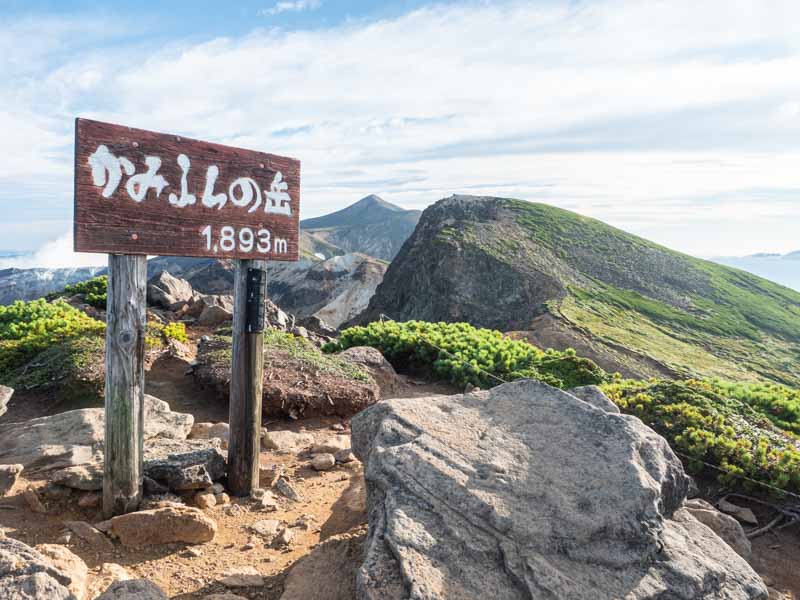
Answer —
(140, 192)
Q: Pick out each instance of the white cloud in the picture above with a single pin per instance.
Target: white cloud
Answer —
(55, 253)
(292, 6)
(662, 118)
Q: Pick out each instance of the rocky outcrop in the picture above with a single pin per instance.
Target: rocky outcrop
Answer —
(168, 292)
(75, 437)
(27, 574)
(526, 491)
(334, 290)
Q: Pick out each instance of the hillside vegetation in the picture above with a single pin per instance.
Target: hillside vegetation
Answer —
(631, 305)
(743, 429)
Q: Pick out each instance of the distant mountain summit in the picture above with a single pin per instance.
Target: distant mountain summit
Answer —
(563, 280)
(371, 226)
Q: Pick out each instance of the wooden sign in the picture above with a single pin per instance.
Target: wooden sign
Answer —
(139, 192)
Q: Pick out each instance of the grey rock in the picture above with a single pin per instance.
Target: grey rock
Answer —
(287, 490)
(323, 462)
(167, 291)
(152, 488)
(185, 464)
(5, 397)
(595, 396)
(725, 526)
(213, 310)
(26, 574)
(524, 491)
(81, 477)
(55, 491)
(133, 589)
(70, 564)
(76, 437)
(92, 536)
(8, 477)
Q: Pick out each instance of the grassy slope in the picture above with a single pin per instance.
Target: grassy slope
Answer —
(692, 315)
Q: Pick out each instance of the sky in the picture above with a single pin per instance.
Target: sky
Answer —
(678, 121)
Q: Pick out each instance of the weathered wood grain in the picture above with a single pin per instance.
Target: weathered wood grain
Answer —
(124, 401)
(247, 368)
(120, 225)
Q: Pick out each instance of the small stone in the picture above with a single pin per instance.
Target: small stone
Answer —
(323, 462)
(89, 534)
(104, 526)
(217, 488)
(345, 456)
(194, 552)
(90, 500)
(248, 546)
(33, 501)
(745, 515)
(53, 491)
(286, 489)
(269, 475)
(222, 498)
(64, 538)
(267, 528)
(242, 577)
(285, 538)
(269, 502)
(205, 500)
(152, 488)
(224, 597)
(257, 493)
(337, 427)
(133, 589)
(234, 510)
(166, 525)
(332, 445)
(88, 478)
(305, 522)
(8, 477)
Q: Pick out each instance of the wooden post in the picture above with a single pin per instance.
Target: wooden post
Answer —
(247, 368)
(124, 405)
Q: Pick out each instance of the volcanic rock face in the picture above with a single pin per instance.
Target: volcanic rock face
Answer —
(526, 491)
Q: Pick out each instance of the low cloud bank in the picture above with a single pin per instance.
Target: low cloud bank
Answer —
(54, 254)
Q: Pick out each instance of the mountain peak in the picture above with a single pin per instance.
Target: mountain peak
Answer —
(370, 209)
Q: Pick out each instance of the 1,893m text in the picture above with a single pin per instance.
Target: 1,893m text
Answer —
(228, 239)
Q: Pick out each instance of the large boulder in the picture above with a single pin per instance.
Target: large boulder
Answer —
(76, 437)
(526, 491)
(725, 526)
(27, 574)
(5, 396)
(167, 291)
(212, 310)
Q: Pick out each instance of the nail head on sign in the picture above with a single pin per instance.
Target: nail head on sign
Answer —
(135, 144)
(261, 165)
(134, 236)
